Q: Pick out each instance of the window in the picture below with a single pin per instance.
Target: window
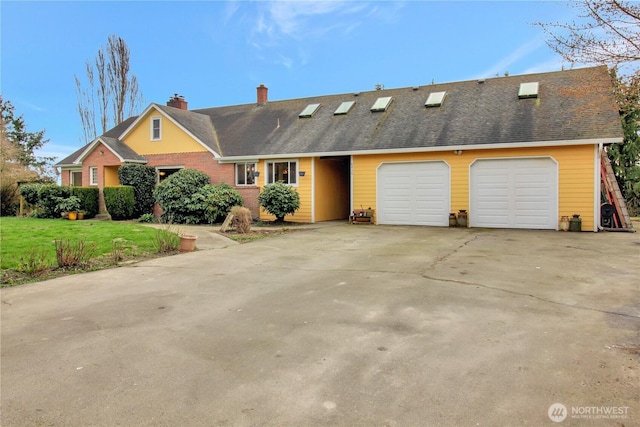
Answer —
(285, 171)
(245, 173)
(309, 111)
(93, 176)
(381, 104)
(528, 90)
(156, 130)
(344, 108)
(76, 178)
(435, 99)
(166, 172)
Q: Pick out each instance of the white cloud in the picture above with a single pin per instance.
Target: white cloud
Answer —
(519, 53)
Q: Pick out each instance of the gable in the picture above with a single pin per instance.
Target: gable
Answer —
(173, 137)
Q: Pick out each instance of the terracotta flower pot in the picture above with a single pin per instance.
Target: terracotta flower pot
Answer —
(187, 242)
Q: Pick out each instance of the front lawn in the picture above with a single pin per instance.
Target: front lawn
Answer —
(26, 243)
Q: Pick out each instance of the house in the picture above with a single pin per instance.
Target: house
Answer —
(514, 152)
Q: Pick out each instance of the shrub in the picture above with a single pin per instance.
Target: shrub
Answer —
(89, 197)
(30, 193)
(49, 198)
(119, 201)
(34, 263)
(70, 204)
(218, 201)
(74, 254)
(241, 219)
(143, 180)
(176, 196)
(279, 200)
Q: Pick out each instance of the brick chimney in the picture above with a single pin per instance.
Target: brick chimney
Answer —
(262, 94)
(177, 101)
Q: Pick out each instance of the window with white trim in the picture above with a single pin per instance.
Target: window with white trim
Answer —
(285, 171)
(93, 175)
(156, 128)
(245, 173)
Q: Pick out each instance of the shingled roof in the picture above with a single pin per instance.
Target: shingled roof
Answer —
(572, 105)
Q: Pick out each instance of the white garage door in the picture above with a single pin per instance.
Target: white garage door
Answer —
(514, 193)
(413, 193)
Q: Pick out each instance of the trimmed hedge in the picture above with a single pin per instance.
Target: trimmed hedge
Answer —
(119, 201)
(89, 199)
(143, 180)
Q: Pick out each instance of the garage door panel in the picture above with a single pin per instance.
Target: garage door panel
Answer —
(424, 190)
(514, 193)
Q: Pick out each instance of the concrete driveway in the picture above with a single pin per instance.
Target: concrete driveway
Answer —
(343, 325)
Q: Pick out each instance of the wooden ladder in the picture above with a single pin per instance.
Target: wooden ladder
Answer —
(612, 193)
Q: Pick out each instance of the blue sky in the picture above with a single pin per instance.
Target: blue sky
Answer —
(215, 53)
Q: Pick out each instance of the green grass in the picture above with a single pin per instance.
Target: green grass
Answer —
(19, 237)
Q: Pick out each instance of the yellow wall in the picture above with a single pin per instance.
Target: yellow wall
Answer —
(111, 176)
(174, 139)
(331, 184)
(303, 188)
(575, 176)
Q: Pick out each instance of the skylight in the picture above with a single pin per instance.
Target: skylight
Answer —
(528, 90)
(344, 108)
(309, 111)
(381, 104)
(435, 99)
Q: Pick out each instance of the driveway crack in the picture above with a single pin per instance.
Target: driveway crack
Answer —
(539, 298)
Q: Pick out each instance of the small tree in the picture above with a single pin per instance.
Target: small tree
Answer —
(279, 200)
(143, 180)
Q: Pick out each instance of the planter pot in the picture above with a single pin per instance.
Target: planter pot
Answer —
(80, 216)
(187, 242)
(73, 216)
(64, 215)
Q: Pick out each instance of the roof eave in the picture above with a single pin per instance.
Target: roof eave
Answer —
(592, 141)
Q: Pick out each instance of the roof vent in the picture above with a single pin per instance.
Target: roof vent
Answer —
(528, 90)
(309, 111)
(381, 104)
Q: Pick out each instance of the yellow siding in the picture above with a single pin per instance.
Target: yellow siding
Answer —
(111, 176)
(575, 176)
(174, 139)
(303, 188)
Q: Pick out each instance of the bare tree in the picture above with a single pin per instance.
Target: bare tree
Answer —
(606, 32)
(110, 85)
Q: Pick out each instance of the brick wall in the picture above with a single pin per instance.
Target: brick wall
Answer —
(99, 157)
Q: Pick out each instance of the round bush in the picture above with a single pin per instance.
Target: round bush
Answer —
(175, 195)
(279, 200)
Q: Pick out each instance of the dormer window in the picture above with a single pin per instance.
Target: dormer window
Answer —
(156, 128)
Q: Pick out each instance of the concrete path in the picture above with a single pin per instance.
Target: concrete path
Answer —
(342, 325)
